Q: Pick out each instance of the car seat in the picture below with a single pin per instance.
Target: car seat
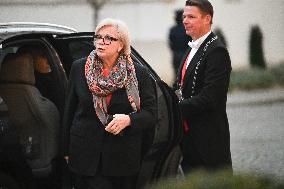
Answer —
(35, 118)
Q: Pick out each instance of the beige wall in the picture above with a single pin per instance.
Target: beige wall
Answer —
(78, 16)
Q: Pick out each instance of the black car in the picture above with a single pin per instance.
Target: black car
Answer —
(32, 104)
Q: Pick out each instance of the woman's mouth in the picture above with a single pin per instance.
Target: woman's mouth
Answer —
(100, 49)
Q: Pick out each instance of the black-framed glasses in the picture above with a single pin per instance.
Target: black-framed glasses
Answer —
(106, 39)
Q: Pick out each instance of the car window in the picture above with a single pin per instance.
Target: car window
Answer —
(80, 49)
(48, 76)
(72, 48)
(4, 52)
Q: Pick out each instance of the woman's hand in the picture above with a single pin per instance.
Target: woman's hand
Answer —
(66, 159)
(118, 123)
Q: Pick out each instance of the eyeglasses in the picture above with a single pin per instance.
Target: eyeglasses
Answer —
(106, 39)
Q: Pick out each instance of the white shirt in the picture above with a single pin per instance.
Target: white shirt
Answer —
(195, 46)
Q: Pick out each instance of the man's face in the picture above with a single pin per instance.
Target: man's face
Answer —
(195, 23)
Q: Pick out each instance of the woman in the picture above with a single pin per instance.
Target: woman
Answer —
(104, 152)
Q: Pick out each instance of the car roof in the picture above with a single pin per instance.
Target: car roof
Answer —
(12, 29)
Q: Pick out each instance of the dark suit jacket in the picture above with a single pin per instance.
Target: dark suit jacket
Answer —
(205, 111)
(85, 140)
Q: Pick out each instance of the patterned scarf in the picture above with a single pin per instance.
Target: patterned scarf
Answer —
(122, 75)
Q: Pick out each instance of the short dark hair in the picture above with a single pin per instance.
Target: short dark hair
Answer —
(178, 15)
(204, 5)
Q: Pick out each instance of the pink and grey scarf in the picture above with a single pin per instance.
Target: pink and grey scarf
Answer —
(122, 75)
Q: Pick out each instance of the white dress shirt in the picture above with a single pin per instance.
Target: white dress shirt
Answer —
(195, 46)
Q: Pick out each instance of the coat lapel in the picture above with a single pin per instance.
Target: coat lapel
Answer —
(194, 61)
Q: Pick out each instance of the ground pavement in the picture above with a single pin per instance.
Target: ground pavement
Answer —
(257, 131)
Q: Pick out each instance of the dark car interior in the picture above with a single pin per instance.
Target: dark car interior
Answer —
(35, 117)
(33, 79)
(26, 85)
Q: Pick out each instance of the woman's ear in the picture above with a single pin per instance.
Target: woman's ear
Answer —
(120, 47)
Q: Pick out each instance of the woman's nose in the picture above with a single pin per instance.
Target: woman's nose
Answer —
(101, 41)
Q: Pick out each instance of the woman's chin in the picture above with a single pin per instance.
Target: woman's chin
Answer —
(100, 54)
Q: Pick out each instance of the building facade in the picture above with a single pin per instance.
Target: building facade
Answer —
(149, 24)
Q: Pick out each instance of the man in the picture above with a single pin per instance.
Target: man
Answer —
(203, 78)
(178, 41)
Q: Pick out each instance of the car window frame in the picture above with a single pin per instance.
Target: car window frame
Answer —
(58, 74)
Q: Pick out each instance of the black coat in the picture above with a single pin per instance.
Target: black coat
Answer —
(205, 108)
(85, 140)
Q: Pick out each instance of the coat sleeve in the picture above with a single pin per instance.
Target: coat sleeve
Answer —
(215, 84)
(147, 116)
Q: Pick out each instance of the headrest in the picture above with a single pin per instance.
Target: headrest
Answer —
(17, 68)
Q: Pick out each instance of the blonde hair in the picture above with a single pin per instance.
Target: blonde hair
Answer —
(122, 31)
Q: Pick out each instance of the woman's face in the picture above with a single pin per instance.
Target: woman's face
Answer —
(107, 43)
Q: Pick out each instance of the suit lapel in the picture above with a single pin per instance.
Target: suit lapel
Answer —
(195, 60)
(192, 65)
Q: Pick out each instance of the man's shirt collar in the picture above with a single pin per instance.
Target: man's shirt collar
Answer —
(197, 43)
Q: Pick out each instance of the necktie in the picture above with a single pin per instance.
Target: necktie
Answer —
(183, 71)
(185, 123)
(194, 44)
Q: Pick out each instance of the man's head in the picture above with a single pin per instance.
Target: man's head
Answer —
(41, 64)
(197, 17)
(178, 16)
